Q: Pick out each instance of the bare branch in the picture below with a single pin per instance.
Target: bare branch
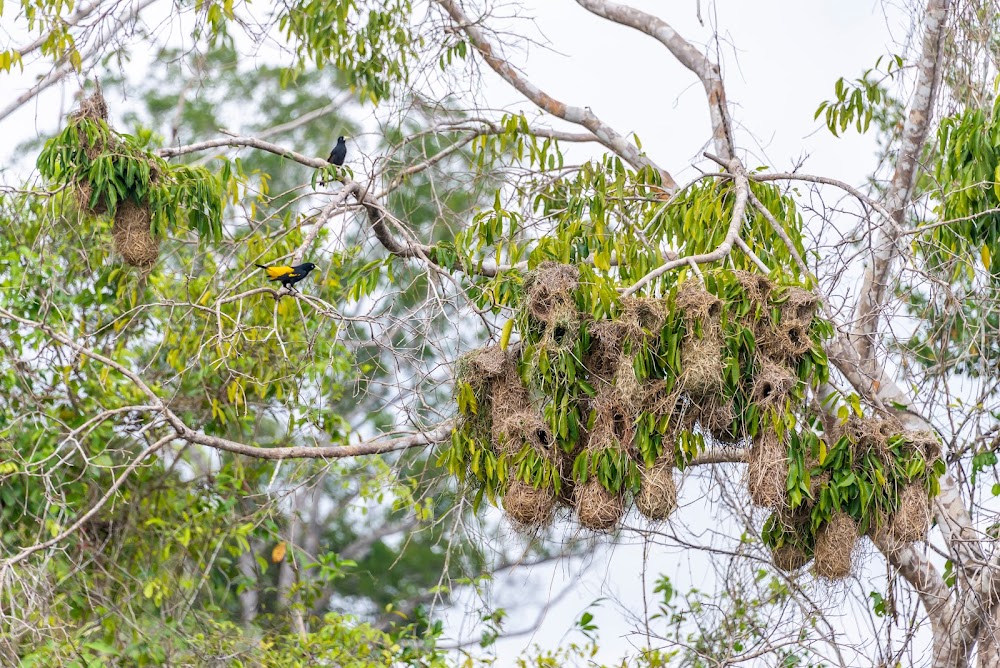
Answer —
(579, 115)
(693, 59)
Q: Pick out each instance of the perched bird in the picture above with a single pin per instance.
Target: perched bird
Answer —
(338, 153)
(288, 276)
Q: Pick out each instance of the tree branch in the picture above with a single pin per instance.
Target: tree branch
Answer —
(885, 249)
(579, 115)
(693, 59)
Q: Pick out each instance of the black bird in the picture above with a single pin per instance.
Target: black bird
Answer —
(288, 276)
(338, 153)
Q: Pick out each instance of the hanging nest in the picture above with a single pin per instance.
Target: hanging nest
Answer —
(798, 304)
(92, 108)
(508, 394)
(757, 287)
(643, 317)
(701, 360)
(597, 508)
(789, 557)
(550, 285)
(605, 353)
(767, 471)
(614, 421)
(527, 506)
(84, 192)
(562, 329)
(698, 305)
(926, 443)
(785, 342)
(911, 521)
(133, 239)
(834, 545)
(771, 385)
(716, 416)
(657, 496)
(522, 428)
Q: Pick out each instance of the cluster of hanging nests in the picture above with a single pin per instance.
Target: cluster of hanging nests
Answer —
(508, 417)
(133, 238)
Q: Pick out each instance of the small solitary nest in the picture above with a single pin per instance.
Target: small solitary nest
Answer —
(799, 305)
(757, 287)
(527, 506)
(133, 239)
(789, 558)
(771, 385)
(92, 108)
(767, 471)
(597, 508)
(834, 545)
(643, 317)
(696, 303)
(549, 285)
(521, 428)
(910, 522)
(84, 192)
(701, 360)
(657, 496)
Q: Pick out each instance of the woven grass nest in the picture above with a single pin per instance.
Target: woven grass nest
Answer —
(835, 543)
(133, 238)
(657, 497)
(767, 470)
(597, 508)
(527, 506)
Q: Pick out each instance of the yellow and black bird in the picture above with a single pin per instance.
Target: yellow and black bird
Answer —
(288, 276)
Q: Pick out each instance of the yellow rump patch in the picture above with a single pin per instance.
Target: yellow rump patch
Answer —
(277, 272)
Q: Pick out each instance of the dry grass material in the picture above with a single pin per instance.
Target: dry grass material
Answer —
(767, 471)
(701, 360)
(522, 428)
(697, 304)
(834, 546)
(527, 506)
(786, 342)
(789, 558)
(757, 287)
(912, 518)
(799, 305)
(716, 417)
(562, 328)
(488, 362)
(926, 443)
(133, 239)
(93, 108)
(604, 355)
(550, 285)
(771, 385)
(84, 191)
(614, 421)
(657, 496)
(643, 317)
(597, 508)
